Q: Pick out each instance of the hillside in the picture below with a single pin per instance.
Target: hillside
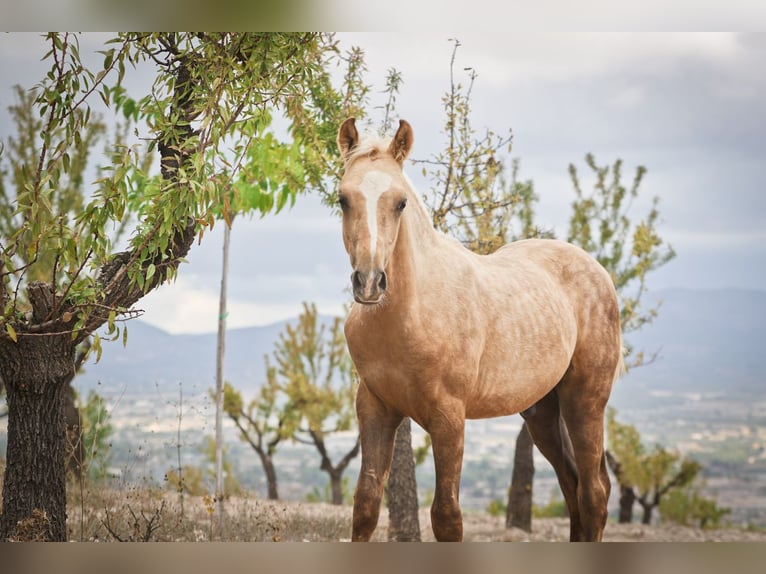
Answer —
(707, 341)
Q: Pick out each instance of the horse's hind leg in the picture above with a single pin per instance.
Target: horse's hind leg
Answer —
(550, 436)
(377, 429)
(583, 401)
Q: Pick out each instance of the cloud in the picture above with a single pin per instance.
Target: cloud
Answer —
(184, 308)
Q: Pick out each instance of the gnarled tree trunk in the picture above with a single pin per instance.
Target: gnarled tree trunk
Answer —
(402, 489)
(36, 372)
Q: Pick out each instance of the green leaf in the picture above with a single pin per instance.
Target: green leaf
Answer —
(97, 346)
(11, 332)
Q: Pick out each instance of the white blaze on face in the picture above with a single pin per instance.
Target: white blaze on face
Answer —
(373, 185)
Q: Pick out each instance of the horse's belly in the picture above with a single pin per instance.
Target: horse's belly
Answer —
(509, 398)
(513, 381)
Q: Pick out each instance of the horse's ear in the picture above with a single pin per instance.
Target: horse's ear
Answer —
(402, 143)
(348, 137)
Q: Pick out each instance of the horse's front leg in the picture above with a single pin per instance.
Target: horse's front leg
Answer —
(377, 429)
(447, 429)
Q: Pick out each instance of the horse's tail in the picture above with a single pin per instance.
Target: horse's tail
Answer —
(621, 368)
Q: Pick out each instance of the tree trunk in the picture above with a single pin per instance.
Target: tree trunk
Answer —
(336, 487)
(519, 512)
(36, 372)
(627, 498)
(271, 475)
(335, 472)
(402, 489)
(647, 517)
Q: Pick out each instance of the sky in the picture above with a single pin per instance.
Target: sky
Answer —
(690, 107)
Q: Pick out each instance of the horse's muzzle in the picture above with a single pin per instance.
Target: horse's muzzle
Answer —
(368, 288)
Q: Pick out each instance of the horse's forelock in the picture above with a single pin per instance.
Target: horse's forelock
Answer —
(369, 144)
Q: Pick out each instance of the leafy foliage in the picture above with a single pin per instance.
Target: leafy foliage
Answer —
(206, 113)
(687, 506)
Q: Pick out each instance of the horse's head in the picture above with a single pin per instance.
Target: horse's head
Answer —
(372, 196)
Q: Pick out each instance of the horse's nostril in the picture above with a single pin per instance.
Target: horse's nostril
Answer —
(356, 280)
(382, 282)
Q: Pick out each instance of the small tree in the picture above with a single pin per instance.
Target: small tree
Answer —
(649, 473)
(601, 224)
(309, 395)
(261, 425)
(687, 506)
(314, 371)
(273, 175)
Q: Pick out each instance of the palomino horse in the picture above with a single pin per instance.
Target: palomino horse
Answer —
(440, 334)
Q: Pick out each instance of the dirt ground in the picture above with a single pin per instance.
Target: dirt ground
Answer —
(481, 527)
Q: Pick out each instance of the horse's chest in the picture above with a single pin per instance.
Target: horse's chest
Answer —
(408, 369)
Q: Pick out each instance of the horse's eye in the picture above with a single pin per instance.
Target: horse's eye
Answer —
(343, 202)
(401, 205)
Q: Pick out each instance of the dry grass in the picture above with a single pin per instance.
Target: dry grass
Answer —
(147, 514)
(151, 514)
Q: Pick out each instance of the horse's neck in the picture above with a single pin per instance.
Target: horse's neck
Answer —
(414, 254)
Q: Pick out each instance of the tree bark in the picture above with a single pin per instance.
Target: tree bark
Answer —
(519, 511)
(402, 489)
(36, 372)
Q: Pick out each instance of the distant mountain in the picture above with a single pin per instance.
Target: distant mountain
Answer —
(154, 357)
(708, 341)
